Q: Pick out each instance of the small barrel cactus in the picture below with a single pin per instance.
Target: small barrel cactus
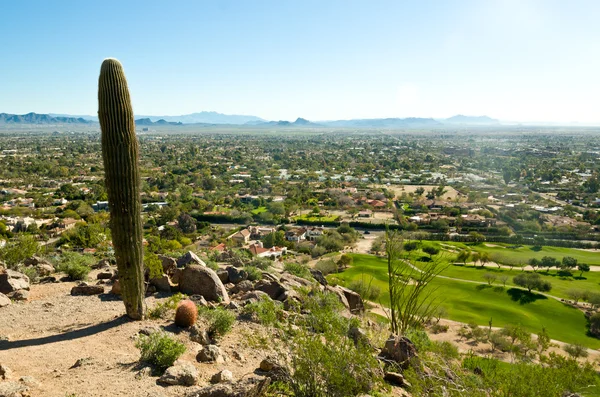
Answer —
(120, 152)
(186, 314)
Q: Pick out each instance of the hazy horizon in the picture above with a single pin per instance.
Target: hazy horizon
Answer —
(521, 61)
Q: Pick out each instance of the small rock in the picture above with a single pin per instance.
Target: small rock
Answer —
(355, 301)
(222, 377)
(105, 275)
(4, 300)
(29, 381)
(11, 281)
(47, 280)
(86, 289)
(236, 275)
(210, 353)
(223, 275)
(396, 379)
(233, 306)
(143, 373)
(267, 364)
(116, 288)
(239, 356)
(5, 372)
(13, 389)
(199, 335)
(252, 386)
(161, 283)
(183, 373)
(242, 286)
(148, 330)
(45, 269)
(199, 300)
(19, 295)
(81, 362)
(274, 289)
(189, 258)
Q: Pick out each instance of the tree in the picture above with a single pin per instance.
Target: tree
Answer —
(504, 279)
(534, 263)
(475, 256)
(569, 263)
(583, 267)
(16, 251)
(538, 242)
(431, 250)
(490, 278)
(476, 237)
(344, 261)
(575, 294)
(549, 262)
(463, 256)
(532, 281)
(484, 258)
(419, 191)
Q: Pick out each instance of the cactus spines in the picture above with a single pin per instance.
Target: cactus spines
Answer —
(120, 153)
(186, 314)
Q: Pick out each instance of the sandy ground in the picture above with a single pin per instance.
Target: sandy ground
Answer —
(451, 193)
(45, 337)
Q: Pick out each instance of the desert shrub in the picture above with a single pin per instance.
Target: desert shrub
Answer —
(30, 272)
(445, 349)
(159, 350)
(365, 290)
(219, 320)
(261, 263)
(161, 309)
(253, 273)
(154, 265)
(595, 324)
(576, 350)
(265, 311)
(326, 266)
(297, 269)
(76, 266)
(439, 328)
(212, 265)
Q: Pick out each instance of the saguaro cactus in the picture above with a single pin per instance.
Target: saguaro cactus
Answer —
(120, 152)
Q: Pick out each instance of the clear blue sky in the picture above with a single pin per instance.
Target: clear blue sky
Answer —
(521, 60)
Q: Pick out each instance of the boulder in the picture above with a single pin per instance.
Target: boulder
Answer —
(44, 269)
(223, 275)
(209, 354)
(200, 280)
(274, 289)
(358, 335)
(168, 264)
(19, 295)
(4, 300)
(222, 376)
(35, 260)
(162, 284)
(183, 373)
(294, 281)
(242, 286)
(116, 288)
(86, 289)
(318, 275)
(189, 258)
(11, 281)
(200, 335)
(251, 386)
(253, 296)
(13, 389)
(105, 275)
(340, 294)
(236, 275)
(396, 379)
(399, 349)
(355, 302)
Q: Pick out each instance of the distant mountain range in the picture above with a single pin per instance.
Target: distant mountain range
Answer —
(214, 118)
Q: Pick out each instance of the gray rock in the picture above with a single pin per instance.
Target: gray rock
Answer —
(11, 281)
(116, 288)
(253, 296)
(13, 389)
(86, 289)
(105, 275)
(295, 281)
(274, 289)
(199, 335)
(183, 373)
(242, 286)
(396, 379)
(318, 275)
(210, 353)
(203, 281)
(143, 373)
(199, 300)
(5, 372)
(20, 295)
(222, 376)
(189, 258)
(358, 335)
(29, 381)
(4, 300)
(35, 260)
(252, 386)
(236, 275)
(340, 294)
(44, 269)
(223, 275)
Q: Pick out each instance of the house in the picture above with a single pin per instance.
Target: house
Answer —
(313, 233)
(242, 237)
(100, 206)
(259, 251)
(220, 248)
(258, 232)
(296, 235)
(365, 214)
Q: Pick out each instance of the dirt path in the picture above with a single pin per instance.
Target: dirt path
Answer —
(45, 337)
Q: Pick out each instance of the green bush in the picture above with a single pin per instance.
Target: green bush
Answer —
(254, 273)
(326, 266)
(220, 321)
(576, 351)
(261, 263)
(298, 269)
(265, 311)
(161, 309)
(365, 290)
(77, 266)
(159, 350)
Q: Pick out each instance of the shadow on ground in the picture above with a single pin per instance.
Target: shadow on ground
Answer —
(524, 297)
(65, 336)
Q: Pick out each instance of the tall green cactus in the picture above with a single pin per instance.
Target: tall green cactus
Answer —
(120, 153)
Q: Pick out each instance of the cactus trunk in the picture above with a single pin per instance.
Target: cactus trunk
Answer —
(120, 153)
